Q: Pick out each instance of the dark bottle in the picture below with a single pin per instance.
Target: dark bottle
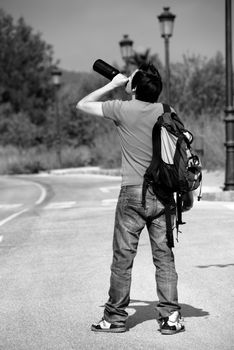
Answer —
(105, 69)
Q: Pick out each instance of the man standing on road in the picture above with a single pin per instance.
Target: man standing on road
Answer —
(134, 121)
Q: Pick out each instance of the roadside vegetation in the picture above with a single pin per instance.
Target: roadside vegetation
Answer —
(28, 139)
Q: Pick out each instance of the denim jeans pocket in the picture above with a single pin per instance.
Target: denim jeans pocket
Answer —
(134, 201)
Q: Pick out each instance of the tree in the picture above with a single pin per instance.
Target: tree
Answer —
(143, 56)
(78, 128)
(25, 65)
(198, 85)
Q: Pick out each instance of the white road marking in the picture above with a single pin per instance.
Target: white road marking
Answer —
(17, 205)
(69, 205)
(10, 206)
(13, 216)
(60, 205)
(43, 194)
(95, 210)
(42, 189)
(109, 201)
(1, 239)
(13, 206)
(138, 303)
(107, 189)
(229, 205)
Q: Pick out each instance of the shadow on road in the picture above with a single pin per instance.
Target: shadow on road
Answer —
(145, 311)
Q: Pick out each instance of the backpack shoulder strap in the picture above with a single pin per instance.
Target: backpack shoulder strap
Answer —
(174, 122)
(156, 153)
(166, 108)
(156, 140)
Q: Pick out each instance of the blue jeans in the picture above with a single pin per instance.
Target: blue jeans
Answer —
(130, 219)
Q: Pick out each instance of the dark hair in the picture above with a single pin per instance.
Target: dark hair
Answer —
(148, 83)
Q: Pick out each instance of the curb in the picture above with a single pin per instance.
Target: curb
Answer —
(86, 170)
(209, 193)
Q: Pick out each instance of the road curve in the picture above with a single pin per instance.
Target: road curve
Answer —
(18, 196)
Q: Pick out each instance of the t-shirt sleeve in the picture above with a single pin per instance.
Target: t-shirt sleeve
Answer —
(111, 110)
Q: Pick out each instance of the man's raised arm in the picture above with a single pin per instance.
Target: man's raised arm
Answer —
(91, 103)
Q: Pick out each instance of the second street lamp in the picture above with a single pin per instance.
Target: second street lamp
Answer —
(229, 110)
(126, 50)
(166, 20)
(56, 75)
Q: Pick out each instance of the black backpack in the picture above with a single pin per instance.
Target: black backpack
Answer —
(174, 168)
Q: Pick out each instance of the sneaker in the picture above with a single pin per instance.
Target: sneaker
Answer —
(104, 326)
(170, 326)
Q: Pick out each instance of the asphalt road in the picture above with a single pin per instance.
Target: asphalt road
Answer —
(55, 263)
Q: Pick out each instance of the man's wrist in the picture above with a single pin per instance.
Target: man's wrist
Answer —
(111, 85)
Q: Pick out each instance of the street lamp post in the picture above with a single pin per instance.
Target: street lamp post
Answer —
(56, 75)
(126, 50)
(166, 20)
(229, 110)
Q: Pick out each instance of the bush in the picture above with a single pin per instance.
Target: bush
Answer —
(76, 157)
(36, 159)
(211, 132)
(20, 161)
(106, 150)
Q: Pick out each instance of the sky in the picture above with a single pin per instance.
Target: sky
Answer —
(82, 31)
